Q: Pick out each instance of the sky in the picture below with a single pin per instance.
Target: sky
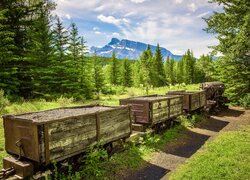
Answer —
(176, 25)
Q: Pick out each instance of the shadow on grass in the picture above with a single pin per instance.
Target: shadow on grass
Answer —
(187, 145)
(149, 172)
(230, 113)
(213, 124)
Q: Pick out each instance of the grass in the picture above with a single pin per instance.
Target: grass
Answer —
(98, 166)
(227, 157)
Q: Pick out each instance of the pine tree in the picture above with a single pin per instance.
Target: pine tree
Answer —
(158, 68)
(8, 77)
(126, 74)
(180, 72)
(98, 75)
(232, 27)
(204, 68)
(60, 62)
(114, 70)
(144, 68)
(41, 51)
(74, 55)
(169, 71)
(189, 64)
(85, 73)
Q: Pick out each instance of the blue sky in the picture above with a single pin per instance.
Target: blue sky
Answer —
(174, 24)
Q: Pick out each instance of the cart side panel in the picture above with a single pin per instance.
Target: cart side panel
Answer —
(203, 99)
(114, 124)
(195, 101)
(71, 136)
(160, 110)
(22, 134)
(140, 110)
(176, 106)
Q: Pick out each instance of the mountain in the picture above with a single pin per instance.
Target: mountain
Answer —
(128, 49)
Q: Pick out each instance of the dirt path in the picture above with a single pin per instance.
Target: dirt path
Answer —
(179, 150)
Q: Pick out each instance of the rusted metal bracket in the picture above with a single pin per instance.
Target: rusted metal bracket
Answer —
(20, 146)
(5, 173)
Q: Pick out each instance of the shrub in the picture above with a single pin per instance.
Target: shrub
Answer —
(63, 101)
(3, 102)
(93, 163)
(245, 101)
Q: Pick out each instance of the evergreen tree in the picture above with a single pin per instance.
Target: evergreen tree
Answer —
(189, 64)
(204, 68)
(126, 74)
(8, 77)
(60, 63)
(74, 55)
(144, 67)
(41, 51)
(232, 27)
(98, 75)
(180, 72)
(158, 68)
(114, 70)
(85, 73)
(169, 71)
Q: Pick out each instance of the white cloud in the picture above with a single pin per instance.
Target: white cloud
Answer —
(68, 16)
(137, 1)
(203, 14)
(177, 52)
(193, 7)
(95, 28)
(178, 1)
(97, 32)
(115, 34)
(112, 20)
(174, 24)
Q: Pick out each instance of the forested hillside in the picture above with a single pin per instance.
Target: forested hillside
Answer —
(41, 58)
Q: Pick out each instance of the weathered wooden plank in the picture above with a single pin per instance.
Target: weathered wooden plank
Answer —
(71, 140)
(108, 135)
(118, 126)
(160, 104)
(72, 132)
(62, 152)
(62, 126)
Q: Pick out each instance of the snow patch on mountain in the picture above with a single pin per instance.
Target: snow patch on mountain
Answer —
(128, 49)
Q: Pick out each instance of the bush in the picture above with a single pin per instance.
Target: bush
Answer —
(3, 102)
(63, 101)
(93, 161)
(245, 101)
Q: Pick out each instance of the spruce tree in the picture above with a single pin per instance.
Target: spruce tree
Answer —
(41, 51)
(169, 71)
(158, 68)
(60, 62)
(232, 28)
(8, 77)
(98, 75)
(114, 70)
(126, 74)
(74, 56)
(189, 65)
(85, 73)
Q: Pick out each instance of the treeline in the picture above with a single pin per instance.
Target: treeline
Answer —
(40, 58)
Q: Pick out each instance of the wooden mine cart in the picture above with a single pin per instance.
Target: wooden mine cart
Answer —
(150, 110)
(191, 100)
(58, 134)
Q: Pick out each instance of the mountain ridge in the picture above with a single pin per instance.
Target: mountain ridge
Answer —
(129, 49)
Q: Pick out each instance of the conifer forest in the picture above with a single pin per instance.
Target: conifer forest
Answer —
(41, 58)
